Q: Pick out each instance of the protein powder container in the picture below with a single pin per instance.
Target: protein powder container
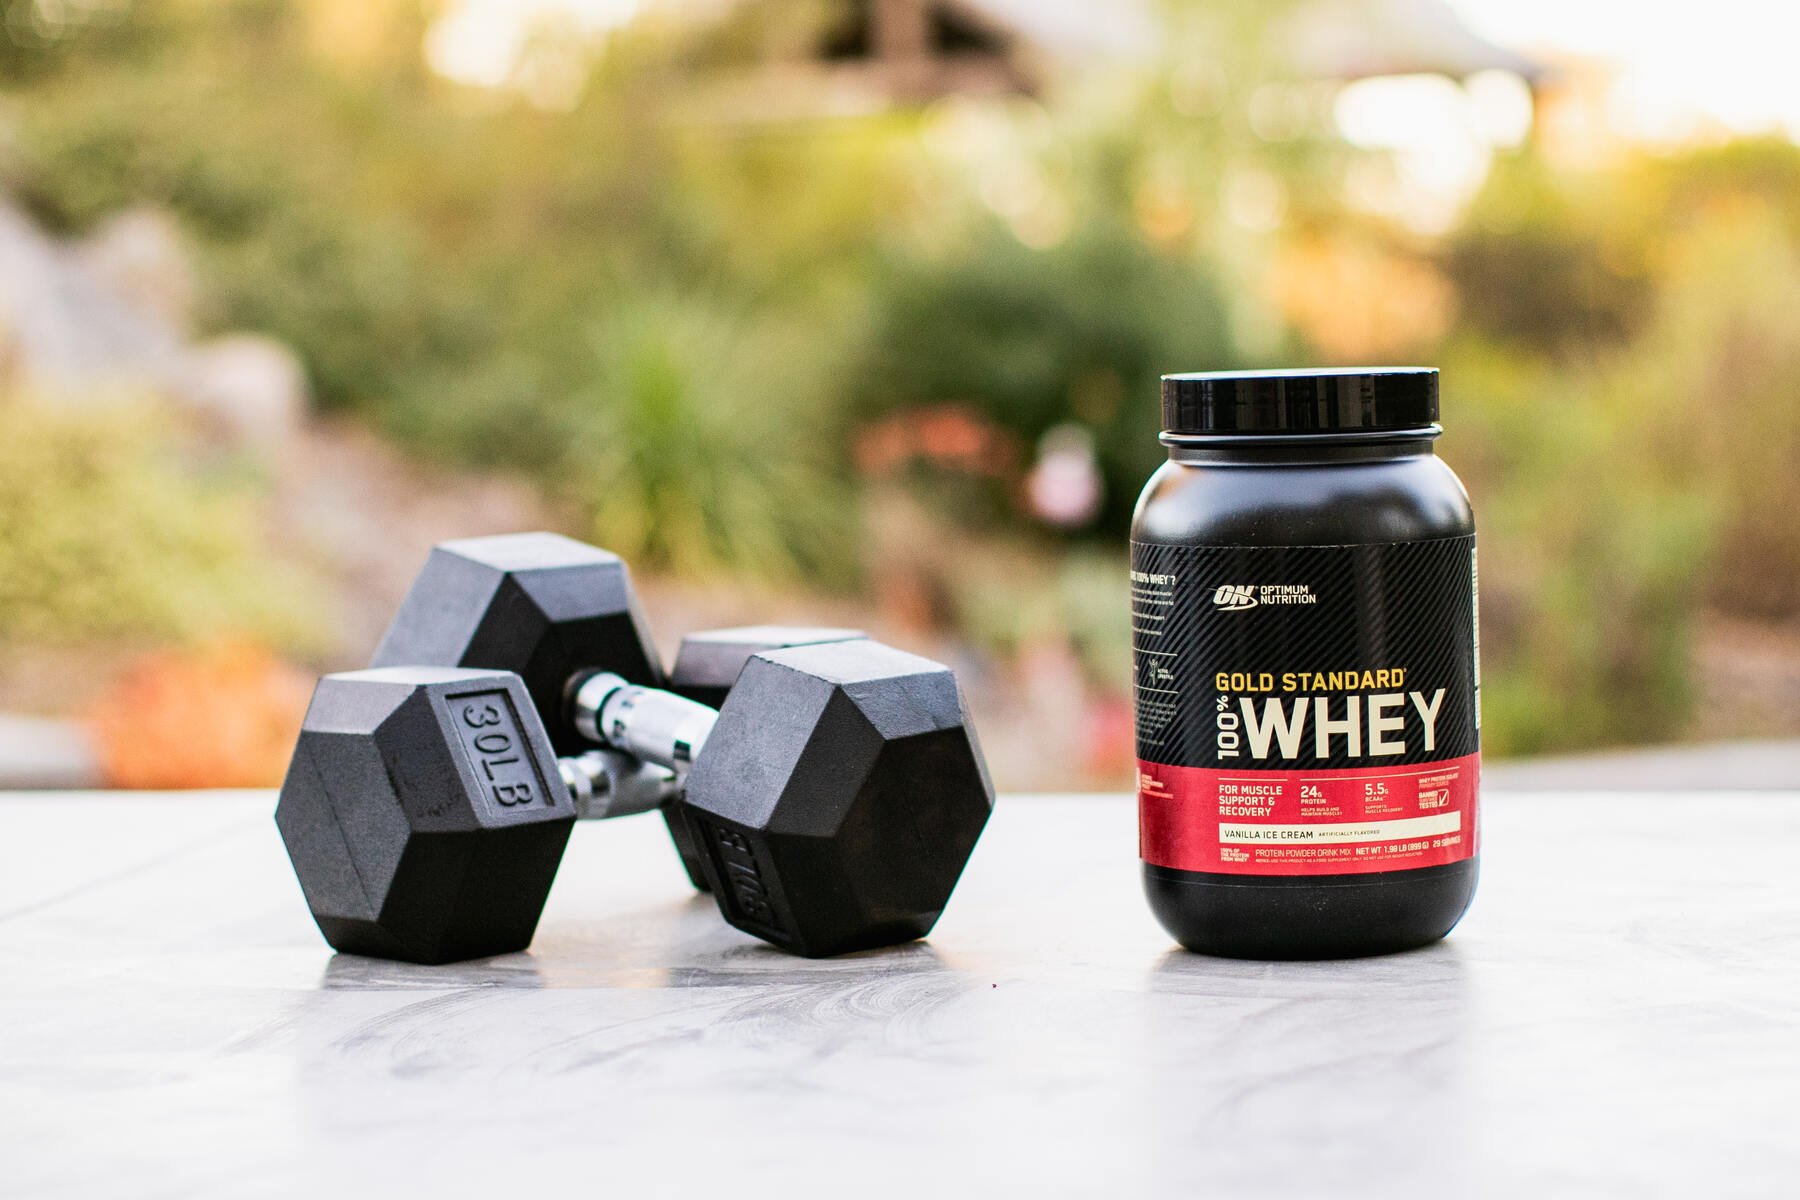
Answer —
(1304, 625)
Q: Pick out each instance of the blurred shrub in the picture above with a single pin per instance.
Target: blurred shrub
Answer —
(111, 530)
(1718, 382)
(1592, 557)
(697, 434)
(356, 298)
(221, 715)
(1031, 337)
(1006, 602)
(1622, 400)
(1555, 261)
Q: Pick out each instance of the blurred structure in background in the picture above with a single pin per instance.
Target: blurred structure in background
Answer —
(851, 311)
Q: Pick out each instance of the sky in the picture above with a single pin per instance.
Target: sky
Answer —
(476, 41)
(1683, 65)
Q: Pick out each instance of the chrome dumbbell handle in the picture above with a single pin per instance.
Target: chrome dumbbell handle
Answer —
(607, 783)
(649, 724)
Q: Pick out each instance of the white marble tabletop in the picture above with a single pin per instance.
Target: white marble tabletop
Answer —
(1618, 1016)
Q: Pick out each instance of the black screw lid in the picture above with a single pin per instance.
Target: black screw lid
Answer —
(1331, 400)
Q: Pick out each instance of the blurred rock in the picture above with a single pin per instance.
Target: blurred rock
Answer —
(78, 322)
(362, 516)
(138, 256)
(1723, 766)
(249, 387)
(64, 332)
(39, 753)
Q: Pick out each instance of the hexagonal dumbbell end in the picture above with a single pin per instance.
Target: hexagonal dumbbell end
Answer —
(706, 665)
(838, 797)
(424, 813)
(539, 604)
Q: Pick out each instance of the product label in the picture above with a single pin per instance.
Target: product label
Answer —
(1306, 710)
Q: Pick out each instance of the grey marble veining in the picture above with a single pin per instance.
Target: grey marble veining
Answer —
(1618, 1016)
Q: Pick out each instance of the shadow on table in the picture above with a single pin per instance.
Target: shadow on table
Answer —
(353, 972)
(629, 1001)
(679, 944)
(1433, 973)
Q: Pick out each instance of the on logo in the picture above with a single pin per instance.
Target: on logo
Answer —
(1230, 596)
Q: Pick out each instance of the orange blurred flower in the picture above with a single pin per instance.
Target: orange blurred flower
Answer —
(949, 437)
(224, 715)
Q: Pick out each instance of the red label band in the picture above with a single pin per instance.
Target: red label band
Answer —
(1348, 821)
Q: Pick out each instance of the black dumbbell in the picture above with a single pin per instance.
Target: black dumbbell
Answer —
(543, 605)
(840, 794)
(835, 799)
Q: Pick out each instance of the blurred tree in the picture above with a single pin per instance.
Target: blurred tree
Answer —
(1554, 263)
(39, 37)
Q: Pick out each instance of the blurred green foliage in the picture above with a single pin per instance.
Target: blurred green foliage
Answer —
(109, 529)
(677, 312)
(1625, 382)
(1590, 559)
(1550, 267)
(699, 481)
(1718, 380)
(1034, 338)
(640, 313)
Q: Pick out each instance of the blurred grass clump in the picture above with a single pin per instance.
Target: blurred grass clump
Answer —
(111, 529)
(699, 480)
